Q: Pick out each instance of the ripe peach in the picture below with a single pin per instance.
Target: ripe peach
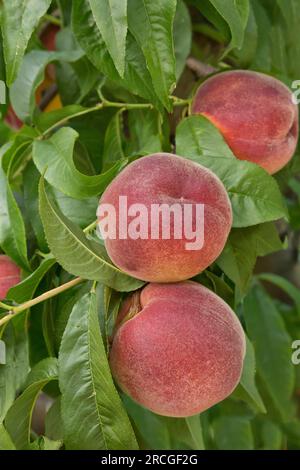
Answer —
(178, 349)
(168, 179)
(10, 275)
(255, 114)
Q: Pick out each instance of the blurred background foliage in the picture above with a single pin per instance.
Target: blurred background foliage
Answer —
(59, 61)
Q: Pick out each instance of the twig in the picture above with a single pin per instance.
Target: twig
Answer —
(41, 298)
(199, 68)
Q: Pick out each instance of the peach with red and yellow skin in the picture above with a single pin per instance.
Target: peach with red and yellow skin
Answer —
(10, 275)
(255, 114)
(178, 349)
(168, 179)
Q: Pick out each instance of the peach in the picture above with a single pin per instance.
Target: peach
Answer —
(255, 114)
(178, 349)
(10, 275)
(168, 179)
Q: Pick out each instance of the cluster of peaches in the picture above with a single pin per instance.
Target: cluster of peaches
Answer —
(177, 347)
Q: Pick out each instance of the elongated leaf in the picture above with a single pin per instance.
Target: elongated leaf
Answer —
(266, 327)
(254, 194)
(31, 178)
(144, 132)
(5, 440)
(20, 18)
(233, 433)
(54, 159)
(203, 138)
(247, 389)
(243, 247)
(44, 443)
(154, 33)
(53, 421)
(16, 367)
(163, 433)
(113, 150)
(76, 253)
(12, 229)
(182, 36)
(18, 418)
(92, 412)
(136, 75)
(12, 151)
(236, 15)
(111, 19)
(25, 290)
(31, 75)
(292, 291)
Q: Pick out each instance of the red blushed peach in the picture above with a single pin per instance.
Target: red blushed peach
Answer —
(255, 114)
(10, 275)
(178, 349)
(168, 179)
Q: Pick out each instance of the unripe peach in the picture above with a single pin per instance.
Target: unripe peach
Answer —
(255, 114)
(10, 275)
(178, 349)
(168, 179)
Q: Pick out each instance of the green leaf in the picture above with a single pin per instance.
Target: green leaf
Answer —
(254, 194)
(113, 151)
(246, 54)
(31, 178)
(80, 211)
(64, 306)
(5, 440)
(270, 434)
(182, 36)
(14, 371)
(19, 20)
(77, 254)
(233, 433)
(12, 229)
(92, 412)
(235, 13)
(25, 290)
(77, 79)
(12, 152)
(136, 75)
(292, 291)
(247, 389)
(31, 75)
(144, 132)
(54, 159)
(243, 247)
(44, 443)
(272, 345)
(163, 433)
(197, 136)
(111, 19)
(53, 422)
(154, 34)
(18, 418)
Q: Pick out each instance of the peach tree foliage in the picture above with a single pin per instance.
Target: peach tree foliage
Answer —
(125, 77)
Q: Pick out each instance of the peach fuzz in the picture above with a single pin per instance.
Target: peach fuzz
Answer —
(10, 275)
(255, 114)
(169, 179)
(178, 349)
